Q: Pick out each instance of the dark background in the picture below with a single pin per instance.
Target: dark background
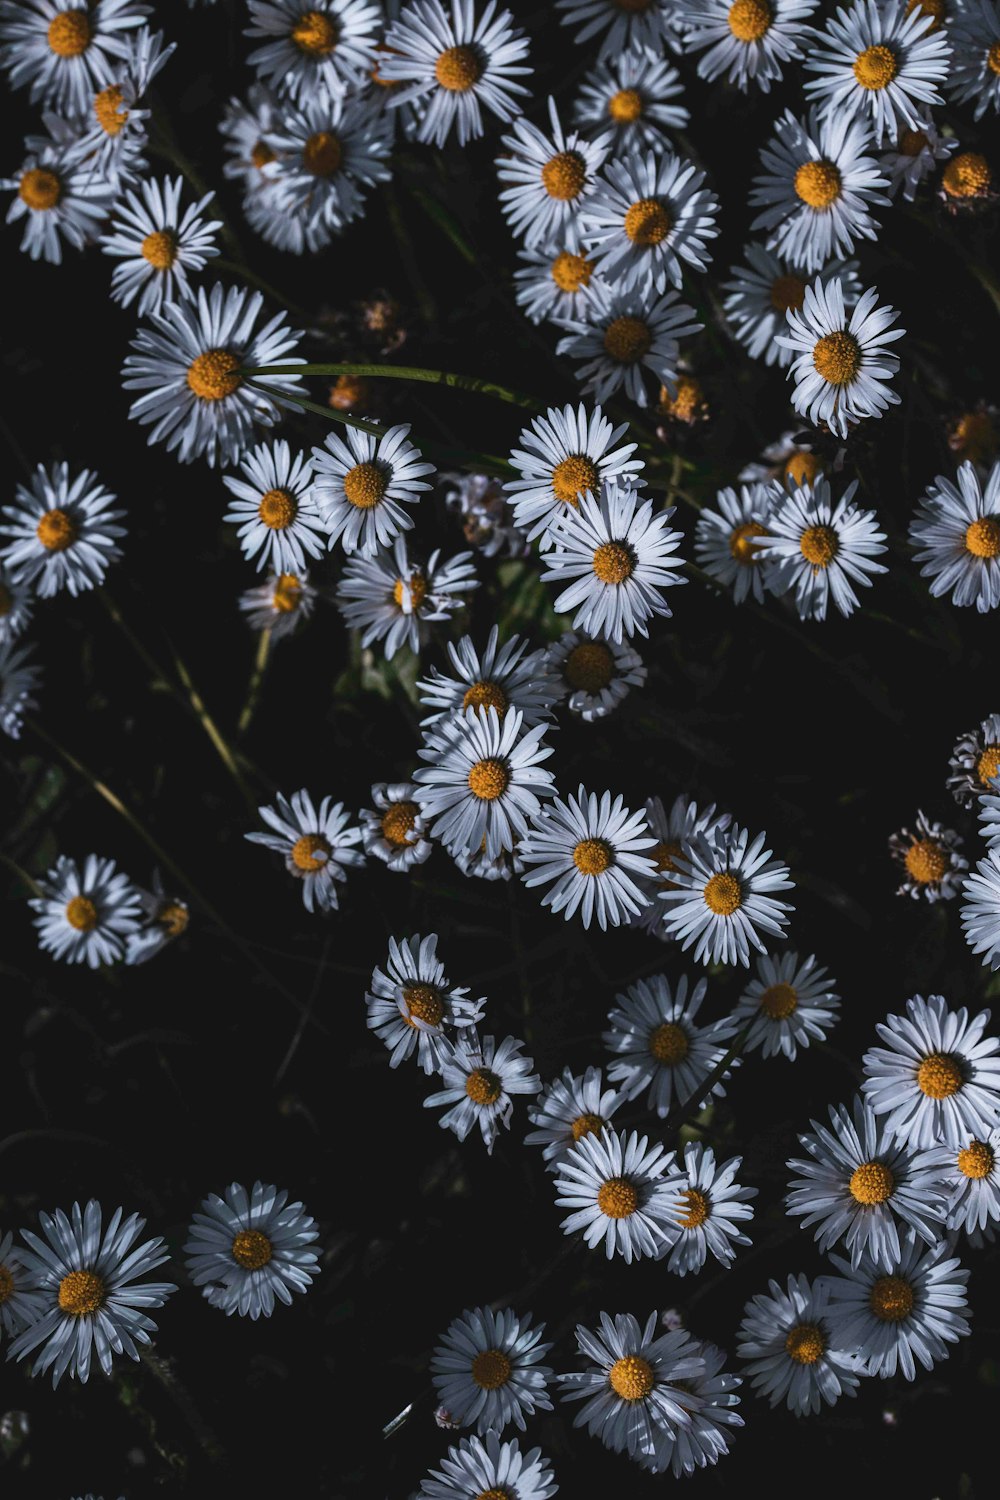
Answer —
(153, 1086)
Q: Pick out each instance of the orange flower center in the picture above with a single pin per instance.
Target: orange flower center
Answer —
(589, 667)
(647, 222)
(617, 1198)
(397, 823)
(967, 175)
(39, 188)
(742, 546)
(875, 67)
(575, 476)
(988, 765)
(614, 562)
(872, 1183)
(837, 357)
(287, 594)
(564, 175)
(627, 340)
(631, 1377)
(251, 1249)
(818, 183)
(891, 1299)
(415, 586)
(696, 1209)
(483, 1087)
(365, 485)
(787, 292)
(56, 530)
(571, 272)
(491, 1369)
(668, 1043)
(322, 154)
(723, 894)
(586, 1124)
(976, 1160)
(749, 20)
(315, 33)
(802, 468)
(593, 856)
(939, 1076)
(81, 914)
(212, 376)
(488, 779)
(277, 509)
(310, 853)
(926, 861)
(625, 107)
(819, 545)
(458, 69)
(485, 695)
(81, 1293)
(69, 33)
(982, 538)
(108, 109)
(804, 1344)
(779, 1001)
(424, 1003)
(160, 249)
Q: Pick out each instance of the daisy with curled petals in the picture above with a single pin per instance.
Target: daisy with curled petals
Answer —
(840, 364)
(727, 541)
(114, 131)
(957, 528)
(879, 62)
(189, 365)
(711, 1399)
(156, 245)
(552, 176)
(899, 1315)
(648, 213)
(937, 1079)
(58, 199)
(16, 599)
(621, 333)
(63, 533)
(634, 93)
(819, 549)
(362, 485)
(86, 915)
(19, 680)
(476, 865)
(595, 676)
(786, 1342)
(817, 185)
(19, 1304)
(394, 831)
(622, 1192)
(974, 75)
(486, 1369)
(88, 1284)
(553, 283)
(389, 597)
(412, 1002)
(934, 869)
(593, 850)
(503, 677)
(672, 831)
(713, 1206)
(642, 26)
(275, 508)
(490, 1467)
(480, 1079)
(165, 917)
(569, 1107)
(279, 604)
(789, 1004)
(312, 50)
(981, 909)
(720, 898)
(317, 845)
(565, 455)
(747, 40)
(863, 1187)
(658, 1045)
(790, 460)
(64, 48)
(454, 66)
(762, 291)
(914, 157)
(975, 762)
(248, 1248)
(615, 554)
(970, 1176)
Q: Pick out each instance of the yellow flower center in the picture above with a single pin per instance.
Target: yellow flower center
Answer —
(668, 1043)
(56, 530)
(627, 340)
(494, 1494)
(593, 856)
(891, 1299)
(723, 894)
(39, 188)
(926, 861)
(819, 545)
(696, 1209)
(488, 779)
(631, 1377)
(625, 107)
(875, 67)
(575, 476)
(81, 914)
(617, 1198)
(322, 154)
(988, 765)
(666, 856)
(967, 175)
(805, 1343)
(911, 142)
(483, 1087)
(287, 594)
(314, 32)
(571, 272)
(415, 586)
(160, 249)
(647, 222)
(749, 20)
(365, 485)
(564, 175)
(976, 1160)
(108, 109)
(310, 852)
(818, 184)
(251, 1249)
(277, 509)
(212, 376)
(837, 357)
(491, 1369)
(787, 292)
(261, 155)
(397, 822)
(939, 1076)
(614, 562)
(586, 1124)
(589, 667)
(458, 69)
(6, 1285)
(993, 58)
(81, 1293)
(487, 695)
(872, 1183)
(174, 919)
(687, 404)
(982, 537)
(424, 1003)
(69, 33)
(742, 546)
(779, 1001)
(802, 468)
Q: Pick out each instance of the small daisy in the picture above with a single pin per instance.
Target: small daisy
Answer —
(786, 1341)
(486, 1369)
(279, 603)
(914, 157)
(363, 483)
(393, 599)
(248, 1248)
(929, 855)
(896, 1316)
(58, 199)
(713, 1205)
(487, 519)
(395, 831)
(971, 1178)
(479, 1079)
(63, 533)
(63, 48)
(840, 364)
(165, 917)
(114, 131)
(595, 676)
(974, 74)
(86, 915)
(504, 677)
(711, 1398)
(19, 681)
(16, 601)
(819, 549)
(566, 455)
(881, 63)
(634, 93)
(620, 334)
(413, 1001)
(157, 245)
(727, 540)
(673, 830)
(761, 293)
(975, 762)
(89, 1304)
(246, 126)
(275, 508)
(938, 1078)
(720, 898)
(570, 1107)
(863, 1187)
(592, 849)
(19, 1304)
(622, 1192)
(746, 40)
(310, 53)
(477, 1468)
(316, 844)
(454, 66)
(475, 864)
(553, 284)
(789, 1004)
(981, 909)
(957, 528)
(640, 26)
(792, 463)
(553, 176)
(967, 182)
(616, 554)
(658, 1046)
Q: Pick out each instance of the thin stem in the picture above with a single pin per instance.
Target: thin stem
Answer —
(320, 411)
(256, 682)
(212, 730)
(691, 1106)
(407, 372)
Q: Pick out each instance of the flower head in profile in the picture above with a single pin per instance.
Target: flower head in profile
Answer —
(165, 917)
(595, 851)
(786, 1342)
(251, 1248)
(957, 531)
(412, 1005)
(86, 915)
(317, 844)
(480, 1081)
(933, 868)
(486, 1370)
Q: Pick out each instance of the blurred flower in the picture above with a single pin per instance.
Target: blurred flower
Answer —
(487, 519)
(19, 1304)
(165, 917)
(967, 182)
(20, 677)
(595, 676)
(279, 603)
(15, 607)
(974, 73)
(63, 48)
(309, 54)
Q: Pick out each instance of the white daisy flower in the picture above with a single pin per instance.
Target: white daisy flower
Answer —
(113, 132)
(486, 1369)
(275, 508)
(16, 601)
(975, 762)
(395, 832)
(487, 519)
(246, 126)
(592, 849)
(503, 677)
(711, 1398)
(642, 26)
(19, 1304)
(616, 555)
(413, 1001)
(164, 918)
(789, 1004)
(620, 334)
(454, 66)
(86, 915)
(981, 909)
(157, 245)
(553, 284)
(880, 62)
(363, 483)
(489, 1468)
(63, 532)
(393, 599)
(479, 1079)
(248, 1248)
(673, 830)
(568, 1108)
(634, 93)
(840, 364)
(317, 844)
(719, 899)
(553, 176)
(58, 199)
(793, 464)
(914, 157)
(957, 528)
(86, 1281)
(622, 1192)
(315, 51)
(974, 74)
(790, 1355)
(931, 861)
(648, 212)
(475, 863)
(279, 603)
(727, 541)
(761, 293)
(746, 40)
(938, 1078)
(566, 455)
(713, 1206)
(189, 364)
(896, 1316)
(64, 48)
(971, 1178)
(863, 1187)
(819, 549)
(595, 676)
(19, 681)
(659, 1046)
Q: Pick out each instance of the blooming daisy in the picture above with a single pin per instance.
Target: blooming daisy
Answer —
(786, 1341)
(487, 519)
(713, 1205)
(157, 245)
(788, 1005)
(279, 603)
(897, 1315)
(552, 176)
(711, 1400)
(113, 133)
(658, 1046)
(393, 599)
(19, 1304)
(929, 855)
(63, 533)
(59, 199)
(914, 157)
(486, 1369)
(819, 549)
(413, 1001)
(248, 1248)
(86, 916)
(719, 899)
(761, 293)
(634, 93)
(89, 1304)
(938, 1078)
(622, 1192)
(504, 677)
(553, 284)
(971, 1178)
(395, 831)
(615, 554)
(316, 844)
(63, 48)
(309, 53)
(981, 909)
(727, 540)
(479, 1079)
(363, 483)
(641, 26)
(975, 762)
(275, 508)
(748, 39)
(673, 830)
(595, 676)
(592, 849)
(164, 918)
(957, 528)
(566, 455)
(573, 1105)
(16, 601)
(19, 680)
(619, 334)
(454, 66)
(840, 364)
(974, 74)
(489, 1467)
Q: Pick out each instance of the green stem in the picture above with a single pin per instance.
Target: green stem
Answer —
(214, 733)
(256, 681)
(406, 372)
